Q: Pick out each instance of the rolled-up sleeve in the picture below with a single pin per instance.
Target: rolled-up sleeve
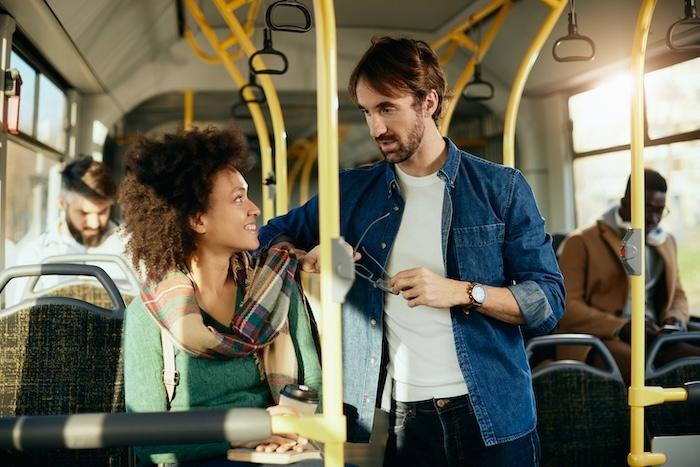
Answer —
(530, 262)
(299, 227)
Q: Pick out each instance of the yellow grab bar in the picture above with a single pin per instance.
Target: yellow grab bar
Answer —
(189, 110)
(478, 55)
(516, 92)
(639, 394)
(255, 111)
(280, 135)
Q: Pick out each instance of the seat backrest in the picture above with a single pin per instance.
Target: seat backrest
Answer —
(115, 266)
(557, 239)
(61, 356)
(673, 418)
(581, 410)
(87, 291)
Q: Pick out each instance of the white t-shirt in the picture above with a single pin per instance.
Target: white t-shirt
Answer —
(55, 242)
(422, 354)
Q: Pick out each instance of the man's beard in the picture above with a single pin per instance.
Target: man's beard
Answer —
(403, 152)
(78, 236)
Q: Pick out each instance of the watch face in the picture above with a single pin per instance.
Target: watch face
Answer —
(479, 294)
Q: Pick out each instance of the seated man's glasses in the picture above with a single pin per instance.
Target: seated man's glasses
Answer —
(362, 271)
(661, 211)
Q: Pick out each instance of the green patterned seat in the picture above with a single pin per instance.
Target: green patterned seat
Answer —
(581, 410)
(61, 357)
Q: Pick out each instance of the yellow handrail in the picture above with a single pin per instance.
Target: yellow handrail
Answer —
(189, 110)
(305, 151)
(516, 92)
(255, 111)
(639, 394)
(474, 19)
(457, 36)
(273, 103)
(205, 57)
(330, 426)
(305, 179)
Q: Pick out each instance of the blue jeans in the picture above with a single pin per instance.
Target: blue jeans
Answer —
(444, 432)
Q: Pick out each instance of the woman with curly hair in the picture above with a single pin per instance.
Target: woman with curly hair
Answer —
(214, 326)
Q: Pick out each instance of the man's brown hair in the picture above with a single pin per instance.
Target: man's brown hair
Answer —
(396, 67)
(88, 178)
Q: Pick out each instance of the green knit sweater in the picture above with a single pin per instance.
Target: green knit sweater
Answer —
(204, 383)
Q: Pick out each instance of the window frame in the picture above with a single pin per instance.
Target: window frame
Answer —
(655, 63)
(31, 56)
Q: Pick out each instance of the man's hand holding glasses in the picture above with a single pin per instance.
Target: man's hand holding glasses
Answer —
(421, 286)
(310, 261)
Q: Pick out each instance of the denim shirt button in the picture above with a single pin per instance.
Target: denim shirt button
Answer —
(372, 322)
(372, 360)
(383, 245)
(367, 400)
(396, 208)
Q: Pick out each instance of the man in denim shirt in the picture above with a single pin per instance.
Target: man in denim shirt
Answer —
(454, 260)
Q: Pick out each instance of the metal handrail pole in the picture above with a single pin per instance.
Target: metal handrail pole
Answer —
(101, 430)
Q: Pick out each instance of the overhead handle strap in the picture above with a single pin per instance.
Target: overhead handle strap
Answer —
(573, 36)
(268, 50)
(478, 89)
(294, 4)
(691, 20)
(239, 111)
(256, 91)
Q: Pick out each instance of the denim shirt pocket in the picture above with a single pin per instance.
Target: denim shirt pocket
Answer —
(480, 252)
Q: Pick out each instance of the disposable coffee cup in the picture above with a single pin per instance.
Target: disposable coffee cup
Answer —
(300, 397)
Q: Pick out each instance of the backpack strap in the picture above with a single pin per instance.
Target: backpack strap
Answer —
(171, 377)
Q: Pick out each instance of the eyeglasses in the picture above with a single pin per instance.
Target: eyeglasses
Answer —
(661, 211)
(361, 270)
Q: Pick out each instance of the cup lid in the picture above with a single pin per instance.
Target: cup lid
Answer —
(301, 393)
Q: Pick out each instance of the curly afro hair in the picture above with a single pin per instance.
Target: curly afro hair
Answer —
(167, 181)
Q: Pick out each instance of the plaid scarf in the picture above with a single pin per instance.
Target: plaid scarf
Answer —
(259, 327)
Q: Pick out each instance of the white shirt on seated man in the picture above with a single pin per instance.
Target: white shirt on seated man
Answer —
(87, 195)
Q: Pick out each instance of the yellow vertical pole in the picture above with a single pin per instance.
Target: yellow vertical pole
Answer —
(329, 225)
(273, 103)
(471, 64)
(516, 92)
(255, 111)
(189, 110)
(637, 456)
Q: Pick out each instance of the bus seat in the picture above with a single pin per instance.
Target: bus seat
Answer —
(581, 409)
(557, 239)
(673, 418)
(87, 291)
(694, 323)
(61, 355)
(115, 266)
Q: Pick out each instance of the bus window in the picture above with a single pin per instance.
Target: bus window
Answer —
(600, 116)
(32, 206)
(673, 99)
(51, 119)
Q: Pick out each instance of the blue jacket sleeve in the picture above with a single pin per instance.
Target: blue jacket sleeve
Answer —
(530, 261)
(299, 227)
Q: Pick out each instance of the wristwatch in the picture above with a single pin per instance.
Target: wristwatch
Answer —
(477, 295)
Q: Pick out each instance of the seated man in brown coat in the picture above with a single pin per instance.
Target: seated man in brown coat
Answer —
(597, 286)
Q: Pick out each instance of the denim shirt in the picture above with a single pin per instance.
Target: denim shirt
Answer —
(492, 233)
